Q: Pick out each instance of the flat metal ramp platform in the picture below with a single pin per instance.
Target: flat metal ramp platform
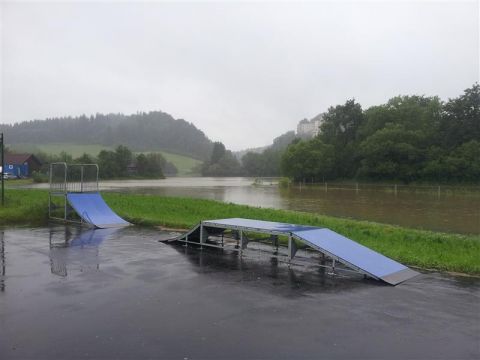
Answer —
(339, 248)
(94, 210)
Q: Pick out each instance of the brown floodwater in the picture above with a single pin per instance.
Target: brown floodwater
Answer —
(450, 210)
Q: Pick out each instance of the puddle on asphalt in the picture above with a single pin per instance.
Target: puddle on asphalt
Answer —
(82, 286)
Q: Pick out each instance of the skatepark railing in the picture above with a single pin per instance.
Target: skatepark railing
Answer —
(73, 178)
(66, 179)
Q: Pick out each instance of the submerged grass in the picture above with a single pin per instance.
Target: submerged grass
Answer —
(425, 249)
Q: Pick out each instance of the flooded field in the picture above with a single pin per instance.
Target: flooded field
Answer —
(447, 211)
(67, 293)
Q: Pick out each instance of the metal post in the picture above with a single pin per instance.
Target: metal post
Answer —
(2, 163)
(50, 176)
(65, 207)
(96, 165)
(241, 243)
(81, 178)
(65, 185)
(290, 248)
(50, 193)
(2, 259)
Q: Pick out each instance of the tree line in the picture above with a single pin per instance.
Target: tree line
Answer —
(223, 162)
(410, 138)
(143, 131)
(118, 163)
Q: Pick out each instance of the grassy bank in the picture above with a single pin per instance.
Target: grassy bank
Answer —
(24, 207)
(426, 249)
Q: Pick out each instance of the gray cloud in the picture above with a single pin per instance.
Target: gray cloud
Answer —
(242, 72)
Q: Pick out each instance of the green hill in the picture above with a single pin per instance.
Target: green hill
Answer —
(185, 165)
(75, 150)
(152, 131)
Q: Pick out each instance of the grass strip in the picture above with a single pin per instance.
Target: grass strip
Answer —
(425, 249)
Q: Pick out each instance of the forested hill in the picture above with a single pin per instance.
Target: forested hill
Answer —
(154, 130)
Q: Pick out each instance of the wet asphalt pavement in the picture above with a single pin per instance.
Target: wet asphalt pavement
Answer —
(66, 295)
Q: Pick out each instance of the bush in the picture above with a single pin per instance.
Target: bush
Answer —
(284, 182)
(39, 177)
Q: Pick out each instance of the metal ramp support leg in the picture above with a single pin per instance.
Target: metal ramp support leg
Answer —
(203, 236)
(65, 207)
(333, 268)
(274, 239)
(292, 248)
(243, 242)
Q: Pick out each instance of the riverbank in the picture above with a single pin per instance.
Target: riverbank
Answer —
(425, 249)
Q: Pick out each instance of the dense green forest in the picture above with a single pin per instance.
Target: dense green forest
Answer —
(222, 162)
(267, 163)
(410, 138)
(120, 163)
(141, 132)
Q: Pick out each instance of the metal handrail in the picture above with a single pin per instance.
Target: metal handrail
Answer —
(73, 185)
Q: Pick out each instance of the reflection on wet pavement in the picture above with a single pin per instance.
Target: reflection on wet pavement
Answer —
(71, 293)
(78, 250)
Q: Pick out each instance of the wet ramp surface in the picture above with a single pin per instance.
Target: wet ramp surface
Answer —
(94, 210)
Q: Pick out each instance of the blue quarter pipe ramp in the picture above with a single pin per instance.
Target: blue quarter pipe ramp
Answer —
(94, 210)
(337, 247)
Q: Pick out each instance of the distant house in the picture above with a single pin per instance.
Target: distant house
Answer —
(132, 169)
(21, 165)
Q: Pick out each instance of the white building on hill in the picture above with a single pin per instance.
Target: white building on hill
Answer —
(309, 128)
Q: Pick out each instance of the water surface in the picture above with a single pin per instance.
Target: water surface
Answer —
(452, 211)
(448, 211)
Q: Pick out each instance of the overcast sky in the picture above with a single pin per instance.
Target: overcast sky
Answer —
(243, 73)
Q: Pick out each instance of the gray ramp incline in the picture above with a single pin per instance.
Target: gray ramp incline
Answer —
(94, 210)
(356, 256)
